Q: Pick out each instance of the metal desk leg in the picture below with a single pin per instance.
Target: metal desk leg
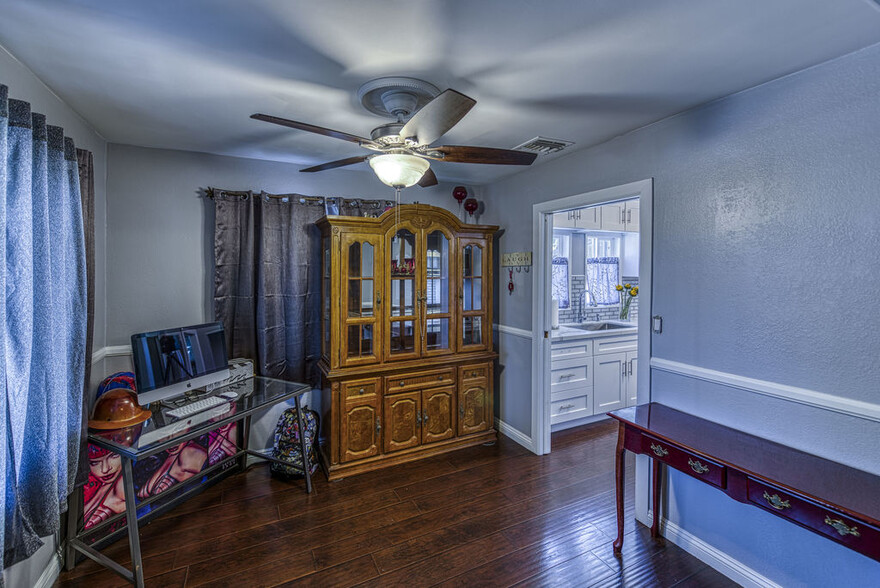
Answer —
(131, 521)
(620, 474)
(302, 444)
(74, 508)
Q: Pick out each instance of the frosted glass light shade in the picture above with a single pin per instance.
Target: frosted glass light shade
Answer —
(399, 170)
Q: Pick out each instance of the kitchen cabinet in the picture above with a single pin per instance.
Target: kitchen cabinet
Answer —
(620, 216)
(609, 372)
(583, 218)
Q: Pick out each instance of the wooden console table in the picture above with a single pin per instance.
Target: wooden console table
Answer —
(826, 497)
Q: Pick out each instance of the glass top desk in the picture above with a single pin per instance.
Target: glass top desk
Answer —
(162, 432)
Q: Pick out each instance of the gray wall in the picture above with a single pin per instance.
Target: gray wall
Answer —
(160, 236)
(24, 85)
(765, 212)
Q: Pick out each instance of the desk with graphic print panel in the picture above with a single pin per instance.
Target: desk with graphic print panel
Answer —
(162, 435)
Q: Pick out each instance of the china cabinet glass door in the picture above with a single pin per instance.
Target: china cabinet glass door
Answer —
(436, 294)
(404, 308)
(472, 296)
(362, 299)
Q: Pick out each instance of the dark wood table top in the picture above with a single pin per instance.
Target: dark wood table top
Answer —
(826, 481)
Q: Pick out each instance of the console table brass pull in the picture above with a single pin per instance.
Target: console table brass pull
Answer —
(776, 502)
(842, 527)
(659, 451)
(697, 466)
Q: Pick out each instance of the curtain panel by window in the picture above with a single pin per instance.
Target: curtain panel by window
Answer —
(42, 325)
(560, 281)
(267, 282)
(602, 277)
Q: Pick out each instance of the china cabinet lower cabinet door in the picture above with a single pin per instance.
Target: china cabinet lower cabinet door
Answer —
(403, 418)
(473, 407)
(438, 410)
(360, 428)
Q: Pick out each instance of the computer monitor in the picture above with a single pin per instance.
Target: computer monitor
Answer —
(172, 362)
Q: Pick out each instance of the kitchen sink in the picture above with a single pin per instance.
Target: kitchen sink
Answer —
(598, 326)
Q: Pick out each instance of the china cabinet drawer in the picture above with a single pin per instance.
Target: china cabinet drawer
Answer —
(571, 350)
(822, 519)
(474, 372)
(685, 461)
(360, 387)
(419, 380)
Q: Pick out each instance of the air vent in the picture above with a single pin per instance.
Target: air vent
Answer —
(544, 146)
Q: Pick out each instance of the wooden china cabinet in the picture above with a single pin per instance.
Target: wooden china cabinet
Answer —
(407, 360)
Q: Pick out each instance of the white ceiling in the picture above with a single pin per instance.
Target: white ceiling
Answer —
(186, 74)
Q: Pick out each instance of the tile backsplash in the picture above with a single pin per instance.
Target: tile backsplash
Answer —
(590, 313)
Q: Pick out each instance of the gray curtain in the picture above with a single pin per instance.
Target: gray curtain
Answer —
(86, 167)
(42, 325)
(267, 281)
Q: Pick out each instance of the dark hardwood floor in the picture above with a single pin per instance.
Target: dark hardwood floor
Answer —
(483, 516)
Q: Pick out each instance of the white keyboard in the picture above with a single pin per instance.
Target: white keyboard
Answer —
(181, 425)
(197, 407)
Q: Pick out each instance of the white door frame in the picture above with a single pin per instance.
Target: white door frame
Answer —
(542, 234)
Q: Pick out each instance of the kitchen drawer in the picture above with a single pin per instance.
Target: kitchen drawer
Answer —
(476, 371)
(570, 373)
(571, 350)
(360, 387)
(571, 408)
(689, 463)
(615, 344)
(824, 520)
(566, 394)
(419, 380)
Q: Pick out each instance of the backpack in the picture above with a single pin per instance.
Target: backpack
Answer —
(287, 447)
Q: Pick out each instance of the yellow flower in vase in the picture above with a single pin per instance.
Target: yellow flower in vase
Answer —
(619, 288)
(633, 292)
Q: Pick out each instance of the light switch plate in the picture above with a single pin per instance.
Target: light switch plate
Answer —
(520, 258)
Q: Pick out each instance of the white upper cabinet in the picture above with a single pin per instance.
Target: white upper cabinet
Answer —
(583, 218)
(620, 216)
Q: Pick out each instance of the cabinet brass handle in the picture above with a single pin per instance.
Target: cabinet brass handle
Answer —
(842, 528)
(418, 418)
(425, 418)
(378, 299)
(461, 410)
(659, 451)
(378, 425)
(473, 374)
(439, 378)
(776, 502)
(361, 391)
(697, 466)
(402, 383)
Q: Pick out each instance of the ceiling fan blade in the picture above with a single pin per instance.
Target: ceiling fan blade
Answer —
(335, 164)
(436, 117)
(465, 154)
(428, 179)
(313, 129)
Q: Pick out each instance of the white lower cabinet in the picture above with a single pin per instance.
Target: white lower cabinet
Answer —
(591, 377)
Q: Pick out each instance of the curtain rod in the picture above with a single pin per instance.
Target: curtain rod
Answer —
(303, 199)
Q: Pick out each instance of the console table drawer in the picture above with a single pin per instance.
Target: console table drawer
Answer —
(685, 461)
(826, 521)
(419, 380)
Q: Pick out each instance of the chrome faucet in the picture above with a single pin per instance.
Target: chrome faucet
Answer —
(581, 314)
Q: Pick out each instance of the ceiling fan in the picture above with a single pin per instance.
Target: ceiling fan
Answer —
(423, 115)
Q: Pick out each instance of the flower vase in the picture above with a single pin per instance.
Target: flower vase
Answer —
(624, 309)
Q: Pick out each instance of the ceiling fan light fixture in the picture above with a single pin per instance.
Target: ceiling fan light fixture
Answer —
(399, 170)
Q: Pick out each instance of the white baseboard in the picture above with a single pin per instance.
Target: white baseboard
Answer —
(715, 558)
(847, 406)
(50, 574)
(515, 434)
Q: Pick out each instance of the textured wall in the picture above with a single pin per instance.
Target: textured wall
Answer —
(765, 212)
(160, 236)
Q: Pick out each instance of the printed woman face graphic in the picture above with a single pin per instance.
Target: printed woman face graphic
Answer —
(106, 467)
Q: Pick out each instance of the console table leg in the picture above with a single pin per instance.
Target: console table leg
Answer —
(655, 506)
(619, 470)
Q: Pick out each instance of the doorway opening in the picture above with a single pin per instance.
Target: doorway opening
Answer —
(593, 283)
